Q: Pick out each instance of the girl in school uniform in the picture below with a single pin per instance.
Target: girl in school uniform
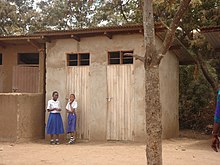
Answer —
(54, 123)
(71, 125)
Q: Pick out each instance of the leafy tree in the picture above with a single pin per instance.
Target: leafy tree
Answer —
(118, 12)
(17, 17)
(68, 14)
(27, 16)
(196, 112)
(7, 18)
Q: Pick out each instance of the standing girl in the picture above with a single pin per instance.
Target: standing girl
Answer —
(71, 125)
(54, 123)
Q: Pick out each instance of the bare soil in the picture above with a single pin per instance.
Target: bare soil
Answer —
(180, 151)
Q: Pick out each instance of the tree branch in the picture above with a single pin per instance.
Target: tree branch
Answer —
(206, 73)
(5, 32)
(137, 57)
(171, 31)
(122, 11)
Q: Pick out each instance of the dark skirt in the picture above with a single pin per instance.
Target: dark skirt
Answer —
(71, 126)
(55, 124)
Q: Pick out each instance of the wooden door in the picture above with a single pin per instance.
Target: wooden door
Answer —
(25, 79)
(120, 113)
(78, 84)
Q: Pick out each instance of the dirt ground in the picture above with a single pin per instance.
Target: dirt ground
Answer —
(180, 151)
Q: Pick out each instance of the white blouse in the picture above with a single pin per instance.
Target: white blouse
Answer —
(74, 105)
(53, 104)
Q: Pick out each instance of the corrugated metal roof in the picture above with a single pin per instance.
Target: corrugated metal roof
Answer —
(179, 50)
(15, 37)
(92, 29)
(158, 26)
(213, 38)
(210, 29)
(41, 37)
(212, 35)
(81, 31)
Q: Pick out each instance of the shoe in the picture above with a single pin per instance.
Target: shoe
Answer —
(57, 142)
(72, 141)
(52, 142)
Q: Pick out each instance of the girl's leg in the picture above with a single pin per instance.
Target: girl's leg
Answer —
(57, 139)
(71, 134)
(71, 138)
(74, 135)
(51, 139)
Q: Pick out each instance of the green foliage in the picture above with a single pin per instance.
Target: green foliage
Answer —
(196, 99)
(68, 14)
(17, 17)
(196, 96)
(7, 17)
(118, 12)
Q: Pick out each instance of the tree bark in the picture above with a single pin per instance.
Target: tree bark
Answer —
(149, 32)
(152, 89)
(153, 117)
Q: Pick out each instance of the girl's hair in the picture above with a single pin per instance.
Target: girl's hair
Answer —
(54, 93)
(73, 95)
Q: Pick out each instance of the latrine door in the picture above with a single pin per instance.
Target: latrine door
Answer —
(25, 79)
(78, 84)
(120, 113)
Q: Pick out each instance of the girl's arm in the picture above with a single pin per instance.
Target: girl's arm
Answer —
(67, 111)
(67, 106)
(72, 109)
(49, 107)
(54, 109)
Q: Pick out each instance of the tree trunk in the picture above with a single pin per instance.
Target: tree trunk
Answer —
(152, 60)
(153, 117)
(152, 92)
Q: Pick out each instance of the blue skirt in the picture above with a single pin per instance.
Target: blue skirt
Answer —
(71, 126)
(55, 124)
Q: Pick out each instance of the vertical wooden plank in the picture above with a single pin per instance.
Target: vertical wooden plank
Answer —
(116, 120)
(126, 103)
(112, 103)
(117, 110)
(77, 83)
(108, 134)
(120, 81)
(26, 79)
(122, 104)
(129, 110)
